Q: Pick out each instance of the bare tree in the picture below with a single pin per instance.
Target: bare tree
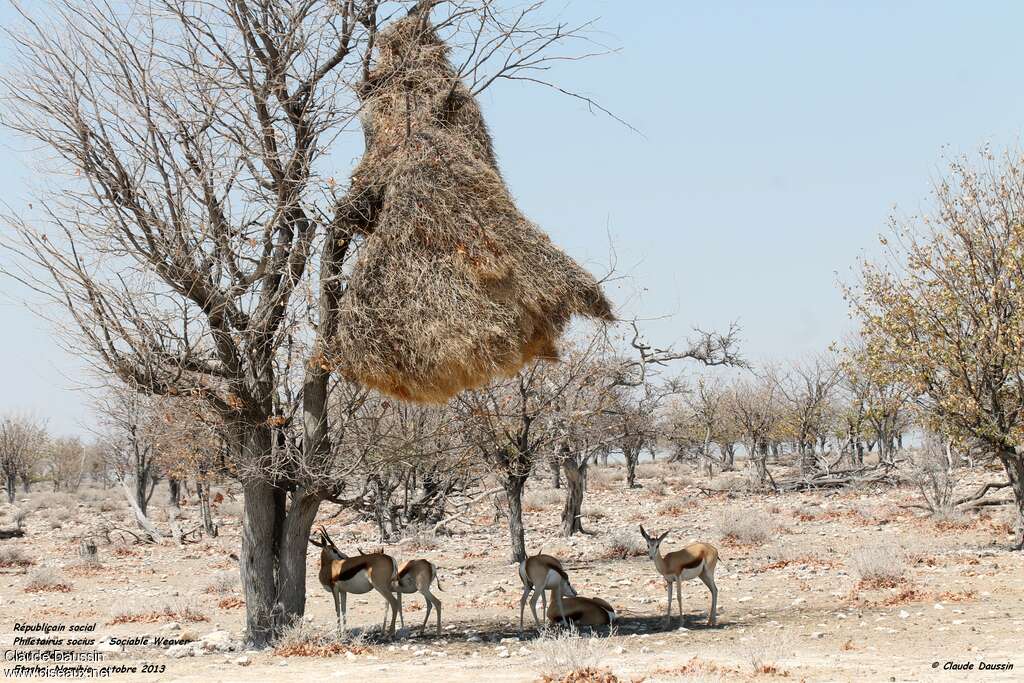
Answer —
(753, 407)
(514, 422)
(22, 442)
(131, 432)
(805, 389)
(66, 462)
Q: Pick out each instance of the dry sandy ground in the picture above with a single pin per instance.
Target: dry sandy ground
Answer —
(791, 607)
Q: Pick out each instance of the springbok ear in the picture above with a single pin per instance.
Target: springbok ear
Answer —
(313, 541)
(662, 537)
(644, 532)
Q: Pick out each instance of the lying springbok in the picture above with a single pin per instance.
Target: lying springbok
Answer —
(341, 575)
(580, 611)
(540, 573)
(415, 576)
(695, 560)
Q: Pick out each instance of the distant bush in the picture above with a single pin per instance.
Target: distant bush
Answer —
(538, 500)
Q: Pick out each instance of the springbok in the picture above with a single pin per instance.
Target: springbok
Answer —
(695, 560)
(341, 575)
(540, 573)
(415, 576)
(580, 611)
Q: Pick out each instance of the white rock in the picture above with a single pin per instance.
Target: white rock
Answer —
(217, 641)
(179, 651)
(243, 661)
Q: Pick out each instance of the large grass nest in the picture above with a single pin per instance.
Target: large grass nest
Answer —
(453, 285)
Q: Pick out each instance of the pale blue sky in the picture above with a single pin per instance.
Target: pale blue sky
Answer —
(777, 137)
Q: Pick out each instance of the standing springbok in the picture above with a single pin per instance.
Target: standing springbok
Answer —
(540, 573)
(415, 576)
(695, 560)
(580, 611)
(341, 575)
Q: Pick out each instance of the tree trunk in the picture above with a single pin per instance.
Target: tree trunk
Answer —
(10, 486)
(203, 492)
(26, 482)
(275, 532)
(174, 491)
(729, 457)
(556, 473)
(572, 511)
(513, 485)
(1014, 464)
(632, 457)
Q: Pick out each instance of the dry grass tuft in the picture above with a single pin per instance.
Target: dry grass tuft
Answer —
(564, 653)
(420, 538)
(231, 603)
(588, 675)
(14, 557)
(538, 500)
(879, 566)
(84, 567)
(123, 551)
(223, 583)
(306, 640)
(623, 545)
(178, 612)
(746, 527)
(605, 478)
(47, 581)
(671, 508)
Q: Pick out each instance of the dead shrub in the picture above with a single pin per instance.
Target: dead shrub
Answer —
(303, 639)
(223, 583)
(420, 538)
(584, 676)
(605, 478)
(19, 516)
(538, 500)
(879, 566)
(563, 653)
(47, 581)
(951, 520)
(746, 527)
(593, 512)
(672, 508)
(182, 612)
(86, 566)
(623, 545)
(14, 557)
(656, 488)
(55, 502)
(230, 603)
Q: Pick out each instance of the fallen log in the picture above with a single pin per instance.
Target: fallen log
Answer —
(980, 493)
(11, 533)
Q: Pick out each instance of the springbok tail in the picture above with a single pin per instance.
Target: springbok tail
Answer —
(437, 578)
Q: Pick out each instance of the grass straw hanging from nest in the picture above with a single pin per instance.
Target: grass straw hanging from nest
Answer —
(453, 286)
